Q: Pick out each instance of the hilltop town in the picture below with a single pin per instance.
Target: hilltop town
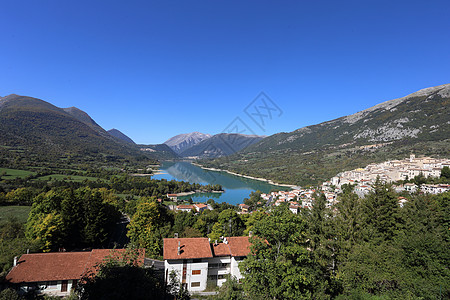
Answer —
(394, 171)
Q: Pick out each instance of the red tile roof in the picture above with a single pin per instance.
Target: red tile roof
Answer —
(239, 245)
(185, 206)
(221, 249)
(201, 248)
(189, 248)
(58, 266)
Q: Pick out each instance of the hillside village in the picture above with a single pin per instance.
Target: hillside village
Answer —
(363, 179)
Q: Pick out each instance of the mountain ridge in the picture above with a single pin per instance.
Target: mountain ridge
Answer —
(40, 131)
(181, 142)
(120, 135)
(418, 122)
(222, 144)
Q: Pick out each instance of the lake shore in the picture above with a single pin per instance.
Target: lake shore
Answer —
(245, 176)
(198, 192)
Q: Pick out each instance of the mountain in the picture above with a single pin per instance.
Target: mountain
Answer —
(222, 144)
(121, 136)
(181, 142)
(85, 118)
(33, 130)
(418, 123)
(159, 151)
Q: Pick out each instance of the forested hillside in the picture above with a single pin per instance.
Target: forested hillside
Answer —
(418, 123)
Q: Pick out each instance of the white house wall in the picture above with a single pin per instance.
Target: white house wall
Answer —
(177, 266)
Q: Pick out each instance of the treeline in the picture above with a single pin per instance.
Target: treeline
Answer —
(152, 222)
(21, 191)
(367, 248)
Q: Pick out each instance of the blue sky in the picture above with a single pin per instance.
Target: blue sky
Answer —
(154, 69)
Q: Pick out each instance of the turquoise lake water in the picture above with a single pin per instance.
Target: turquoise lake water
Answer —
(236, 187)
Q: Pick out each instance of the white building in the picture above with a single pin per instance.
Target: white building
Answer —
(196, 261)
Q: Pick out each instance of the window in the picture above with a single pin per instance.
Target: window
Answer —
(64, 285)
(195, 284)
(196, 272)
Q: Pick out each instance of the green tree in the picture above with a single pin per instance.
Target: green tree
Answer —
(206, 221)
(230, 290)
(445, 172)
(47, 231)
(70, 219)
(322, 243)
(347, 223)
(279, 266)
(381, 218)
(228, 224)
(148, 226)
(9, 294)
(121, 279)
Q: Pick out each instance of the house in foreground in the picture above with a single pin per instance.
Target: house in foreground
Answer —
(57, 273)
(196, 261)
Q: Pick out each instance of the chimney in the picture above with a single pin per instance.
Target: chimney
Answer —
(176, 235)
(215, 242)
(250, 233)
(16, 259)
(225, 241)
(179, 248)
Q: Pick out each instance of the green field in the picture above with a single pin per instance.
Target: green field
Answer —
(19, 212)
(75, 178)
(14, 173)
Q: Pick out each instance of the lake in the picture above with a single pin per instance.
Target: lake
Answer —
(236, 187)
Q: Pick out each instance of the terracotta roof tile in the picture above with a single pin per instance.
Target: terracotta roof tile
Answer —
(189, 248)
(185, 206)
(239, 245)
(58, 265)
(49, 267)
(221, 249)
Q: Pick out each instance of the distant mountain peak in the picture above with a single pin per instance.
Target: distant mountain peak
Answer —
(184, 141)
(221, 144)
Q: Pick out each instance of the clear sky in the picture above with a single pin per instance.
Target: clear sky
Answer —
(154, 69)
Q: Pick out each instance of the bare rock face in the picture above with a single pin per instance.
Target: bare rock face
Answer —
(182, 142)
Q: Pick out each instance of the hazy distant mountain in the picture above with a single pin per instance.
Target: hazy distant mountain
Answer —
(120, 135)
(418, 123)
(181, 142)
(222, 144)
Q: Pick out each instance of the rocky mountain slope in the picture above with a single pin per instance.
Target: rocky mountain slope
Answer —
(181, 142)
(417, 123)
(222, 144)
